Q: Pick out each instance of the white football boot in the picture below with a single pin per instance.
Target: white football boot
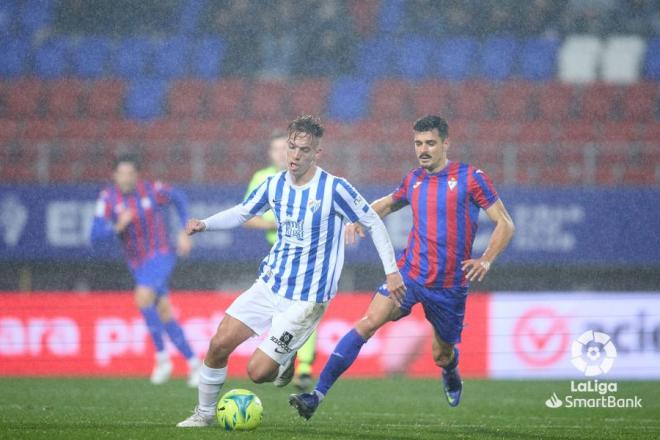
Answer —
(162, 370)
(197, 420)
(285, 373)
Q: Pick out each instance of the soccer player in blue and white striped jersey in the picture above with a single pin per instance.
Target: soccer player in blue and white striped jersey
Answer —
(299, 276)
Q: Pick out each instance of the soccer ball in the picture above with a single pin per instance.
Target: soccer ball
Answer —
(239, 410)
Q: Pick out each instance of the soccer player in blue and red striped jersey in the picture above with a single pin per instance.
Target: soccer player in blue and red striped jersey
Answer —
(133, 209)
(437, 264)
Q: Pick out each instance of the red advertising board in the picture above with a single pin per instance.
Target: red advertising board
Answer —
(102, 334)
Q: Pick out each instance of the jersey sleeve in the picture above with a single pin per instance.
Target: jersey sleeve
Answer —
(102, 224)
(400, 194)
(348, 202)
(481, 189)
(257, 201)
(166, 194)
(255, 204)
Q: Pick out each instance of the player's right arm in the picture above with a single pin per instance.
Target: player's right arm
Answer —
(103, 227)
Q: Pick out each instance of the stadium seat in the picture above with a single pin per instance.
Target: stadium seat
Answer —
(579, 59)
(203, 131)
(91, 57)
(431, 97)
(415, 58)
(226, 99)
(105, 98)
(390, 99)
(622, 59)
(349, 99)
(35, 15)
(38, 130)
(577, 132)
(513, 100)
(555, 102)
(268, 100)
(145, 98)
(362, 13)
(535, 132)
(492, 132)
(538, 58)
(171, 57)
(309, 96)
(131, 57)
(374, 58)
(63, 97)
(639, 101)
(652, 60)
(14, 53)
(207, 57)
(22, 98)
(123, 131)
(391, 15)
(598, 102)
(163, 130)
(472, 100)
(455, 58)
(496, 58)
(651, 133)
(186, 98)
(80, 130)
(51, 58)
(8, 131)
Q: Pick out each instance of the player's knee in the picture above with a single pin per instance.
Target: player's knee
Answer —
(260, 373)
(144, 297)
(368, 325)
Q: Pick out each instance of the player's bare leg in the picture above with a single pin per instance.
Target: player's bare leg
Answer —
(213, 373)
(381, 310)
(145, 299)
(446, 356)
(262, 368)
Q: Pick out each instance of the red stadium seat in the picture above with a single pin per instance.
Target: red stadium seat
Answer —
(620, 132)
(22, 98)
(123, 130)
(168, 130)
(105, 98)
(536, 132)
(431, 97)
(203, 131)
(472, 99)
(390, 100)
(493, 132)
(8, 130)
(555, 102)
(186, 98)
(514, 101)
(651, 132)
(598, 102)
(577, 132)
(87, 130)
(226, 99)
(268, 100)
(246, 131)
(460, 132)
(38, 130)
(308, 96)
(63, 97)
(639, 102)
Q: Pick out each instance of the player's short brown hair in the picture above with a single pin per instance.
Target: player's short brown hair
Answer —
(131, 158)
(429, 122)
(307, 124)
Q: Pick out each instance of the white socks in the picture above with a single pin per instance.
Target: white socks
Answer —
(210, 382)
(162, 356)
(319, 394)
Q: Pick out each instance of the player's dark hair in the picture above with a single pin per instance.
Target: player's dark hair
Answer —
(428, 123)
(307, 124)
(131, 158)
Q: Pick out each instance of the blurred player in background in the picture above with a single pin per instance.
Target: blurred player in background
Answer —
(299, 277)
(277, 152)
(133, 209)
(445, 197)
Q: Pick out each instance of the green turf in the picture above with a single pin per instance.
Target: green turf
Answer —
(369, 409)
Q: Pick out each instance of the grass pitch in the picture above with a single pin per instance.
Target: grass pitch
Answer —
(355, 409)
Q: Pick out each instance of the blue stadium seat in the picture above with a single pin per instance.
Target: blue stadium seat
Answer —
(146, 98)
(190, 12)
(8, 10)
(171, 57)
(497, 58)
(349, 99)
(456, 57)
(132, 57)
(207, 57)
(391, 16)
(51, 58)
(91, 56)
(652, 60)
(414, 57)
(538, 59)
(13, 54)
(35, 15)
(375, 58)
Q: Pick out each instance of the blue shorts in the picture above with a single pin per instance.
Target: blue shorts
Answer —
(155, 273)
(444, 308)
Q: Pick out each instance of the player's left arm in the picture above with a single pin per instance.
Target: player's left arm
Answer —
(166, 194)
(477, 268)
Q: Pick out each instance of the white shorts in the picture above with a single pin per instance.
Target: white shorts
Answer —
(291, 322)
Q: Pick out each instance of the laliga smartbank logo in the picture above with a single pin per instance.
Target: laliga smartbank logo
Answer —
(593, 354)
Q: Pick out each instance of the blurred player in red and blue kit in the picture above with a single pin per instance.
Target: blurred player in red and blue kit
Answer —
(437, 265)
(134, 209)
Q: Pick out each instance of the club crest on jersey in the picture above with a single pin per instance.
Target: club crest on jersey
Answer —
(451, 183)
(293, 229)
(313, 205)
(145, 202)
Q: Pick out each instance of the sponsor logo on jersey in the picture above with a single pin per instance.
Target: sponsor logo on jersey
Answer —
(294, 229)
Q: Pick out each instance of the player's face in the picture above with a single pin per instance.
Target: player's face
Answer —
(301, 153)
(277, 152)
(431, 150)
(126, 176)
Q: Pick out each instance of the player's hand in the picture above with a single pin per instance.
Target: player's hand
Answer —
(194, 226)
(352, 231)
(396, 287)
(184, 244)
(124, 219)
(476, 268)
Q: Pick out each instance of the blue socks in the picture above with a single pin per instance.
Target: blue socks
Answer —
(343, 357)
(454, 362)
(154, 326)
(175, 333)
